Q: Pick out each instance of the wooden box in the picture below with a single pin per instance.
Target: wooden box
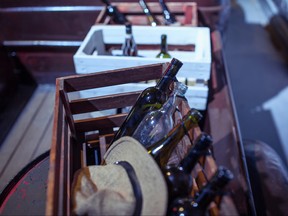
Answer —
(75, 132)
(185, 13)
(191, 45)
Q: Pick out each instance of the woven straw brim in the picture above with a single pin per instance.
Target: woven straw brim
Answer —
(102, 190)
(152, 182)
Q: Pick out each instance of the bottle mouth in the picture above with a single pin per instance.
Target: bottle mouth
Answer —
(181, 86)
(225, 174)
(176, 62)
(128, 28)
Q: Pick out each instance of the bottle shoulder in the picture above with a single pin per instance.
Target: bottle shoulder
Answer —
(163, 55)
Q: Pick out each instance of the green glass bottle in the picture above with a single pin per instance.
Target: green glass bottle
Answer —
(151, 18)
(150, 99)
(178, 178)
(162, 149)
(163, 48)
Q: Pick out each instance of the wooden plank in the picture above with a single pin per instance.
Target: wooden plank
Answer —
(105, 122)
(45, 144)
(26, 135)
(55, 154)
(17, 132)
(103, 103)
(113, 77)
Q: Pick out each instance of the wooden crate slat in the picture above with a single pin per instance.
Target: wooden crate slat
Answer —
(103, 103)
(105, 122)
(140, 46)
(113, 77)
(135, 8)
(52, 203)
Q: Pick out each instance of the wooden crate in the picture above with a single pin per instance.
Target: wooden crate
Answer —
(191, 45)
(185, 13)
(72, 135)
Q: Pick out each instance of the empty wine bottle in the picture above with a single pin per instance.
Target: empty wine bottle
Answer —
(129, 47)
(150, 99)
(168, 16)
(151, 18)
(162, 149)
(163, 48)
(158, 123)
(184, 206)
(116, 16)
(178, 178)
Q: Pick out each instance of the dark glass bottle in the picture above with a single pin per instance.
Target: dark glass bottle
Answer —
(168, 16)
(198, 205)
(178, 178)
(129, 47)
(150, 99)
(162, 149)
(116, 16)
(163, 48)
(151, 18)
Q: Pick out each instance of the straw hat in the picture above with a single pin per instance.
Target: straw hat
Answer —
(130, 183)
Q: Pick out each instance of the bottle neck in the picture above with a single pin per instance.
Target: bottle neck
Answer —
(169, 75)
(164, 46)
(208, 193)
(168, 143)
(200, 148)
(152, 20)
(175, 98)
(172, 103)
(168, 16)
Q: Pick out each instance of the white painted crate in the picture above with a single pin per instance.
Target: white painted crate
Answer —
(92, 57)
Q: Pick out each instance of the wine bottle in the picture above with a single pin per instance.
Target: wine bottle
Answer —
(150, 99)
(116, 16)
(168, 16)
(162, 149)
(129, 47)
(163, 48)
(151, 18)
(178, 178)
(184, 206)
(158, 123)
